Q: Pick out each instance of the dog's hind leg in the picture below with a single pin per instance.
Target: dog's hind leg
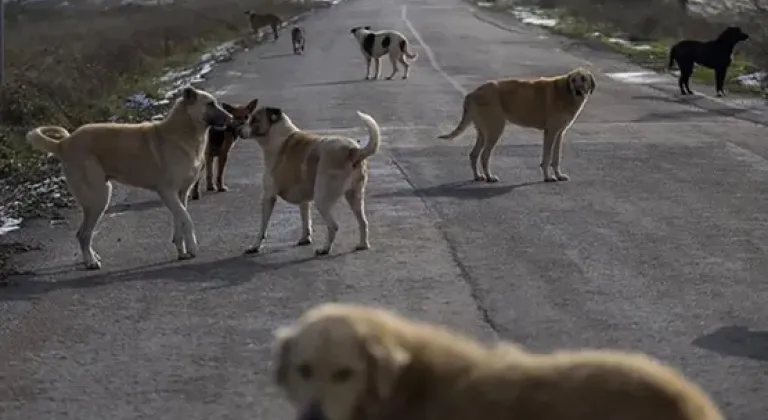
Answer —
(183, 228)
(406, 66)
(306, 224)
(393, 60)
(328, 190)
(550, 137)
(556, 154)
(474, 155)
(494, 128)
(87, 184)
(356, 199)
(686, 71)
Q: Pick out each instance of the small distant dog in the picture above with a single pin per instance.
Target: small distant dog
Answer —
(302, 167)
(298, 40)
(375, 44)
(258, 21)
(716, 55)
(220, 142)
(163, 156)
(549, 104)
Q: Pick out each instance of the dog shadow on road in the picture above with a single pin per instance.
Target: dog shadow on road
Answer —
(222, 273)
(335, 82)
(736, 341)
(463, 190)
(280, 55)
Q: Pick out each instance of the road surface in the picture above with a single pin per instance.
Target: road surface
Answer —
(656, 244)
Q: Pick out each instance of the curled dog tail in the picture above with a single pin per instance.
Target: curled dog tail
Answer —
(463, 124)
(42, 141)
(405, 48)
(374, 136)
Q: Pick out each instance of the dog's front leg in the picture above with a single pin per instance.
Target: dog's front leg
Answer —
(556, 154)
(720, 74)
(267, 205)
(368, 68)
(546, 154)
(184, 230)
(306, 224)
(209, 172)
(221, 164)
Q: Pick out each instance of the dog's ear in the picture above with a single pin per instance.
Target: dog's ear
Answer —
(227, 107)
(385, 361)
(274, 114)
(367, 28)
(281, 350)
(252, 105)
(189, 94)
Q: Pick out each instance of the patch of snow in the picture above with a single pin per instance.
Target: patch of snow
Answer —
(628, 44)
(8, 224)
(485, 4)
(531, 16)
(755, 80)
(639, 77)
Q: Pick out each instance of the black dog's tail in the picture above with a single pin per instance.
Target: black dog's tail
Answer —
(672, 53)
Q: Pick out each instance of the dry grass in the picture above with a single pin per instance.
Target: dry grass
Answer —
(76, 64)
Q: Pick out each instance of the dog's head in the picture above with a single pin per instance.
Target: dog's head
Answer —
(202, 106)
(262, 122)
(332, 367)
(580, 82)
(357, 29)
(733, 35)
(240, 113)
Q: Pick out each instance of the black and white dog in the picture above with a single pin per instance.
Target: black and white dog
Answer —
(298, 40)
(375, 44)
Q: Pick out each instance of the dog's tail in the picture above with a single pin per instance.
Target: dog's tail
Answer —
(374, 136)
(40, 139)
(672, 53)
(405, 48)
(463, 124)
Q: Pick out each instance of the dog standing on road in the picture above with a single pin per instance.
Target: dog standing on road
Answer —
(302, 167)
(163, 156)
(258, 21)
(220, 142)
(298, 39)
(375, 44)
(716, 54)
(549, 104)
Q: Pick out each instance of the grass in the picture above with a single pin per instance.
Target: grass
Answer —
(70, 65)
(658, 27)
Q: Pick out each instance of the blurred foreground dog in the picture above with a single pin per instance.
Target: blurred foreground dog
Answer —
(298, 39)
(375, 44)
(549, 104)
(716, 54)
(163, 156)
(302, 167)
(220, 142)
(258, 21)
(350, 362)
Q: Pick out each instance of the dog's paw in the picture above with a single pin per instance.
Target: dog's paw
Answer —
(562, 177)
(93, 265)
(480, 178)
(194, 196)
(252, 250)
(550, 179)
(492, 179)
(363, 247)
(322, 251)
(210, 188)
(405, 77)
(304, 242)
(186, 256)
(222, 188)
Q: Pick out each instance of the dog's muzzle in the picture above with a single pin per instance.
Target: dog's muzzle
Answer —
(312, 412)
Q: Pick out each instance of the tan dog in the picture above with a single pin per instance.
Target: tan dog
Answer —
(302, 167)
(549, 104)
(258, 21)
(163, 156)
(350, 362)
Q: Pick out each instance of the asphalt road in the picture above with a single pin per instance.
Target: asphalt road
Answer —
(656, 244)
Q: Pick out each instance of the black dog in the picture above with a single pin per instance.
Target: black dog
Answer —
(716, 55)
(298, 39)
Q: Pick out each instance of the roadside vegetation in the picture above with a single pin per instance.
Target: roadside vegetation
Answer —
(644, 30)
(72, 63)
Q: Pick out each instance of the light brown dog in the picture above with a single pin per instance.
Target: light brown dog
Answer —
(351, 362)
(220, 142)
(259, 20)
(302, 167)
(163, 156)
(549, 104)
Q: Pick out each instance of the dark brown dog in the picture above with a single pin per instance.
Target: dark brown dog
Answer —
(220, 142)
